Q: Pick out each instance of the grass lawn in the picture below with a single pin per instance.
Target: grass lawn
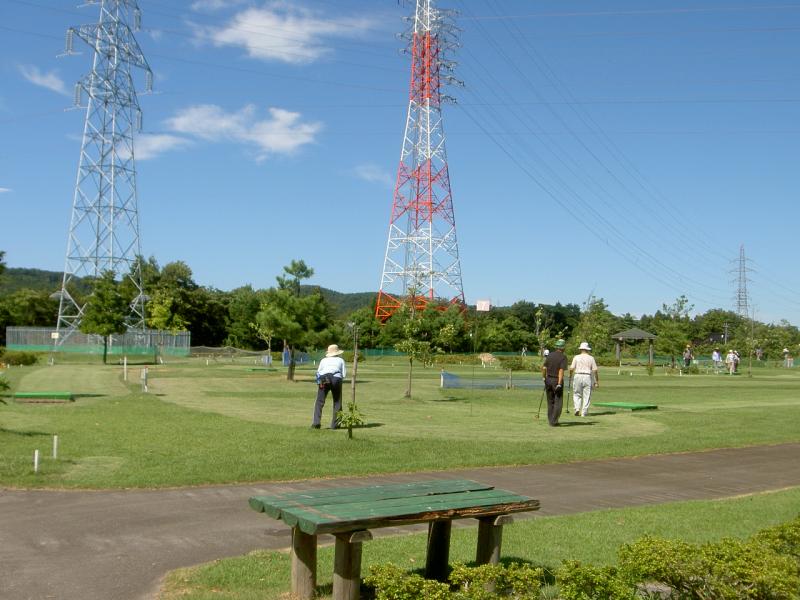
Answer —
(222, 423)
(545, 541)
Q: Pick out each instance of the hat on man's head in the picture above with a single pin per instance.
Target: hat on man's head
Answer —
(560, 344)
(333, 350)
(584, 346)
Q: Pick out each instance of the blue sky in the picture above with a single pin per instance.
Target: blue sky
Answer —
(619, 148)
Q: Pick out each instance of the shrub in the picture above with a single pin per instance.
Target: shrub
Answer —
(15, 357)
(518, 581)
(783, 539)
(4, 385)
(730, 569)
(586, 582)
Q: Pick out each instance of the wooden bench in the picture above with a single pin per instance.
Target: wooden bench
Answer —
(350, 513)
(41, 396)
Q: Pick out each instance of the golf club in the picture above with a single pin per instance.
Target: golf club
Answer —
(540, 404)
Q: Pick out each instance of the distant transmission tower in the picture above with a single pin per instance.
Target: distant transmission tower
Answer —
(421, 264)
(104, 228)
(742, 305)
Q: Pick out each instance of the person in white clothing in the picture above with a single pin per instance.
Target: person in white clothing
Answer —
(583, 372)
(330, 374)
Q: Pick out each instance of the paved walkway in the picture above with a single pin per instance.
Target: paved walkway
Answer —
(116, 545)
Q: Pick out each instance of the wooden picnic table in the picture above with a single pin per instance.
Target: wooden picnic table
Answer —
(350, 513)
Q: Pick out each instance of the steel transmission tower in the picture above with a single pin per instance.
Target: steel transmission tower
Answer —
(742, 305)
(104, 228)
(421, 264)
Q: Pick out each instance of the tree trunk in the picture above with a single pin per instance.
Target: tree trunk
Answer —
(105, 348)
(410, 367)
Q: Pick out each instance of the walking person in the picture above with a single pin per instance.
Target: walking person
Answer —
(583, 371)
(730, 362)
(555, 363)
(330, 374)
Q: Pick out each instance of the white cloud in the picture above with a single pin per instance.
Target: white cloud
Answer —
(4, 190)
(50, 81)
(150, 145)
(282, 132)
(374, 174)
(282, 31)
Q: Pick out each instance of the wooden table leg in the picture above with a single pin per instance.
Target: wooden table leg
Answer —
(347, 564)
(490, 539)
(438, 550)
(304, 564)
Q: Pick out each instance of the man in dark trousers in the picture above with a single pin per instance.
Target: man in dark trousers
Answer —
(553, 373)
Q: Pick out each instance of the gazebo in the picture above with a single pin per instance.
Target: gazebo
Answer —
(635, 335)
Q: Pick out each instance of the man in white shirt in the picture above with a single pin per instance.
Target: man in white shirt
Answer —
(583, 371)
(330, 374)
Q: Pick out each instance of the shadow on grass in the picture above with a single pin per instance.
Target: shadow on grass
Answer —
(575, 423)
(450, 399)
(76, 396)
(25, 433)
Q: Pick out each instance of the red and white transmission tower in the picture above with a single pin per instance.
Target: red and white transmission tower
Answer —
(421, 265)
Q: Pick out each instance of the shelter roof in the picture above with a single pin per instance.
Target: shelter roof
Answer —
(634, 334)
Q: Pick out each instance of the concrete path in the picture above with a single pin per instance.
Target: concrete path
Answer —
(116, 545)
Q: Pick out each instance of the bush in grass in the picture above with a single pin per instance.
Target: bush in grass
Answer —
(393, 583)
(4, 385)
(15, 357)
(586, 582)
(521, 582)
(783, 539)
(765, 567)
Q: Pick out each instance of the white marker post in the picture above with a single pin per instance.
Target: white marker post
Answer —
(55, 446)
(124, 368)
(35, 461)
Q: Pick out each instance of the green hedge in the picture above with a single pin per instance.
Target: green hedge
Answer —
(764, 567)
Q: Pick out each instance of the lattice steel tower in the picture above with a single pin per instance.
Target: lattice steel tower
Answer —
(104, 228)
(421, 262)
(742, 306)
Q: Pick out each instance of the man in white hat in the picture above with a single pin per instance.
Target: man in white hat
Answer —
(583, 371)
(330, 374)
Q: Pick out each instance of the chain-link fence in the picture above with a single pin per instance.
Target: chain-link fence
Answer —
(134, 342)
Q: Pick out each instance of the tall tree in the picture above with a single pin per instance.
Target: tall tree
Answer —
(674, 327)
(596, 326)
(301, 321)
(106, 310)
(2, 262)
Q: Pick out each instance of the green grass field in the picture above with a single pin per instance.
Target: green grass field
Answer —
(222, 422)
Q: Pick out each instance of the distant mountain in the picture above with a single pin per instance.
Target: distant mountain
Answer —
(15, 279)
(344, 303)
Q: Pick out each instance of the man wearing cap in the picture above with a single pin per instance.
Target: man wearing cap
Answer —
(555, 363)
(584, 368)
(330, 374)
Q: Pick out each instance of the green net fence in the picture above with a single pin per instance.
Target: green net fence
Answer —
(133, 343)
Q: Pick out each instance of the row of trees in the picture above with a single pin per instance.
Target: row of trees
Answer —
(299, 316)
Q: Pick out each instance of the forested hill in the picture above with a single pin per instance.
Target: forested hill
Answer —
(15, 279)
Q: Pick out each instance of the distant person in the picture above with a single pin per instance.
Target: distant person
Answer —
(553, 374)
(330, 374)
(687, 357)
(759, 354)
(716, 358)
(730, 362)
(586, 376)
(524, 351)
(736, 360)
(788, 361)
(546, 352)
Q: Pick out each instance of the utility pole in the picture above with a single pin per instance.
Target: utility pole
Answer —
(104, 228)
(421, 264)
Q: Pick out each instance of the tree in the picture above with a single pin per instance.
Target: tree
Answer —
(243, 306)
(106, 310)
(301, 321)
(596, 326)
(2, 262)
(673, 327)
